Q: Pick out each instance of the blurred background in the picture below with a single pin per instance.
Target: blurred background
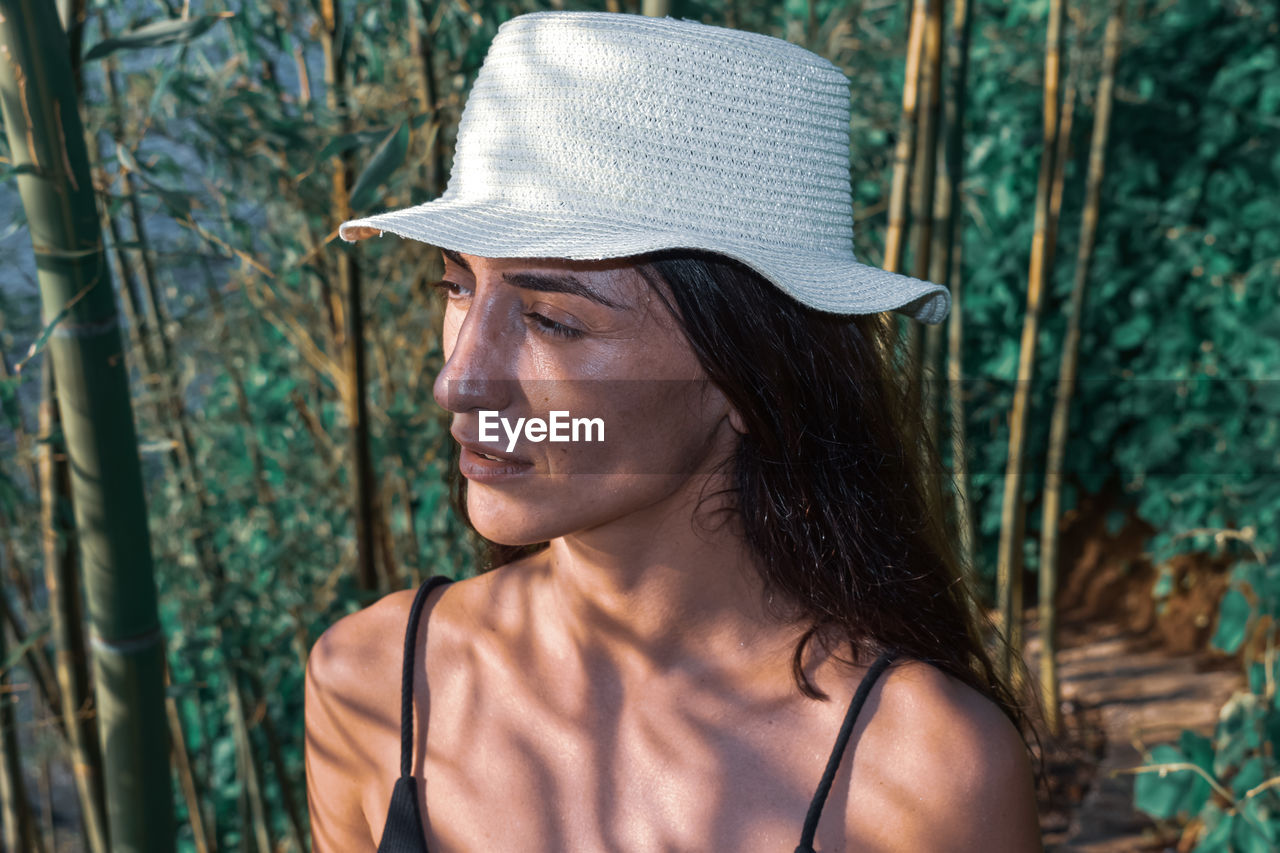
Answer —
(1098, 182)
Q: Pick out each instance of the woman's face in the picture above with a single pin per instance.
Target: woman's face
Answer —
(524, 338)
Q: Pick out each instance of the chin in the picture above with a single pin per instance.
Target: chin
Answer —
(508, 523)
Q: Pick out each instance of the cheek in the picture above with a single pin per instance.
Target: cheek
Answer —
(657, 436)
(650, 427)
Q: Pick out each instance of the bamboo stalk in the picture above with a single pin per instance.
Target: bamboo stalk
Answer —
(276, 754)
(21, 437)
(959, 63)
(959, 433)
(132, 302)
(186, 776)
(349, 283)
(948, 268)
(15, 811)
(904, 148)
(202, 760)
(141, 312)
(48, 145)
(248, 767)
(920, 365)
(1013, 515)
(62, 582)
(34, 658)
(904, 152)
(17, 579)
(1067, 367)
(49, 828)
(1063, 155)
(422, 45)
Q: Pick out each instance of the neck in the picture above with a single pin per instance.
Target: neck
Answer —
(660, 593)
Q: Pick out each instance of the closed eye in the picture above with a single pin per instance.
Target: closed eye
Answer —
(453, 291)
(551, 327)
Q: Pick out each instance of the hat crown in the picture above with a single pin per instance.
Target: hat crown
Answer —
(661, 124)
(593, 135)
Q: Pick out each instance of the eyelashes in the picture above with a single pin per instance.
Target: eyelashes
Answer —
(446, 289)
(450, 290)
(551, 327)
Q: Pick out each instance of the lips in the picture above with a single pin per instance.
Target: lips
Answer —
(492, 453)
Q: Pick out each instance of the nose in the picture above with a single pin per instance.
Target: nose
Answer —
(476, 373)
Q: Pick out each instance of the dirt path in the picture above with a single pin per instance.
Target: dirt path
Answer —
(1123, 694)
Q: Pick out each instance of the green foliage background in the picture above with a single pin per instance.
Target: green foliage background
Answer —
(1177, 404)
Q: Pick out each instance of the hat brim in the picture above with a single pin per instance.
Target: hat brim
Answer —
(831, 284)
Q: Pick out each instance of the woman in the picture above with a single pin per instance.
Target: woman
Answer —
(736, 619)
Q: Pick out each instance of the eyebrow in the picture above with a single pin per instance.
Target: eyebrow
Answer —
(543, 282)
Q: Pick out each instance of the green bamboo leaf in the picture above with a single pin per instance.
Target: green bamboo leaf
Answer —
(163, 86)
(345, 142)
(156, 34)
(178, 203)
(34, 636)
(386, 159)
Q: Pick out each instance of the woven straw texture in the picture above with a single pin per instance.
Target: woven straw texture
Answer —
(592, 135)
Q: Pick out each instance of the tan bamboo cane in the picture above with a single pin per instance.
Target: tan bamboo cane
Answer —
(904, 148)
(948, 268)
(422, 45)
(1013, 515)
(33, 656)
(904, 152)
(186, 775)
(920, 367)
(261, 834)
(1049, 685)
(17, 825)
(350, 328)
(62, 582)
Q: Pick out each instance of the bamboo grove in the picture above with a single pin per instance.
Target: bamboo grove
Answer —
(217, 433)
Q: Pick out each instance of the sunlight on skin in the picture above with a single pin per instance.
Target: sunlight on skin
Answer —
(625, 688)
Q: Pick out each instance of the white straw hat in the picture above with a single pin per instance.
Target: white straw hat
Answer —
(591, 135)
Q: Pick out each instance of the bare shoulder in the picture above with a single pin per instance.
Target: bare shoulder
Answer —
(352, 719)
(359, 651)
(950, 770)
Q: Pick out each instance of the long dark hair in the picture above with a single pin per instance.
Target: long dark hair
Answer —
(836, 484)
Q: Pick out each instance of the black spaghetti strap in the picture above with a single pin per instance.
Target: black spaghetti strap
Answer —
(833, 763)
(406, 682)
(402, 832)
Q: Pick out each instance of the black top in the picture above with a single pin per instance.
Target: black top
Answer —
(403, 832)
